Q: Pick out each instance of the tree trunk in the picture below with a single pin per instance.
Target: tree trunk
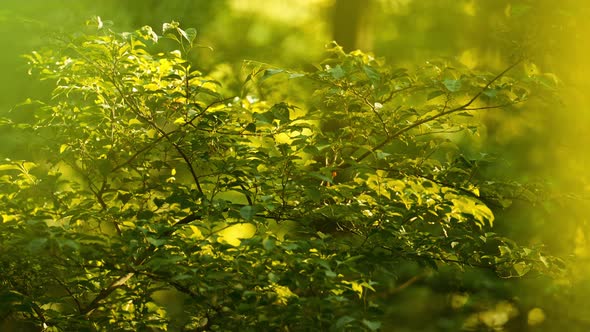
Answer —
(350, 24)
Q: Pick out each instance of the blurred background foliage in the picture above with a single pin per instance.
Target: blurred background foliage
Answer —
(547, 143)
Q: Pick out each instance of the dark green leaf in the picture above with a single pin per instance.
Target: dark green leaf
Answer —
(248, 212)
(266, 117)
(281, 112)
(251, 127)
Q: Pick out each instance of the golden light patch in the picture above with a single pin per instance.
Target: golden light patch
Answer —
(469, 8)
(536, 316)
(468, 58)
(234, 233)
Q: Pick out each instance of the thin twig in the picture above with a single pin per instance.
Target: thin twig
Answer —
(436, 116)
(104, 293)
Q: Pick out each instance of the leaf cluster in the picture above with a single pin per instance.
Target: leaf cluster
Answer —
(250, 213)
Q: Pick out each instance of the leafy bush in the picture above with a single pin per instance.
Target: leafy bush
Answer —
(161, 201)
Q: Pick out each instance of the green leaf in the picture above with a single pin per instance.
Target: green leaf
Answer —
(342, 322)
(434, 94)
(248, 212)
(322, 177)
(382, 155)
(149, 34)
(266, 117)
(124, 197)
(189, 34)
(272, 277)
(313, 194)
(37, 244)
(155, 242)
(352, 259)
(296, 75)
(280, 111)
(311, 149)
(104, 166)
(492, 93)
(290, 246)
(372, 325)
(71, 243)
(479, 211)
(166, 27)
(268, 244)
(133, 121)
(372, 74)
(270, 73)
(145, 215)
(337, 72)
(180, 277)
(251, 127)
(8, 167)
(521, 268)
(452, 85)
(505, 251)
(330, 274)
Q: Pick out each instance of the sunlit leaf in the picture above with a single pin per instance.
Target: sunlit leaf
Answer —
(521, 268)
(133, 121)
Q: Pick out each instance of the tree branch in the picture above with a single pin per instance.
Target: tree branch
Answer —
(436, 116)
(136, 110)
(105, 293)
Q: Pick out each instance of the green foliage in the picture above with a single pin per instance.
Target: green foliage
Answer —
(253, 212)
